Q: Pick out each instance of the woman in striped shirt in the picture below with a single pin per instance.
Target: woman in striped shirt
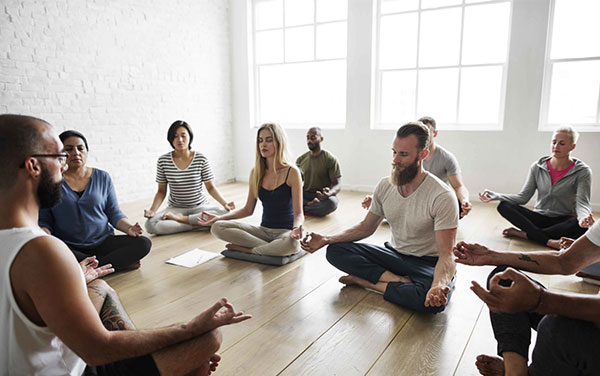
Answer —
(186, 172)
(278, 185)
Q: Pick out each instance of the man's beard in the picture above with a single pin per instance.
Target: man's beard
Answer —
(49, 193)
(406, 175)
(313, 146)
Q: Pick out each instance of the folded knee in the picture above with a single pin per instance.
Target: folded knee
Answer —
(334, 252)
(217, 228)
(215, 339)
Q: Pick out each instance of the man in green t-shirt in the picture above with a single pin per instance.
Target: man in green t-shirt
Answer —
(321, 174)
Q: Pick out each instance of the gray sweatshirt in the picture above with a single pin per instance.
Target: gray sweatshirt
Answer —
(570, 195)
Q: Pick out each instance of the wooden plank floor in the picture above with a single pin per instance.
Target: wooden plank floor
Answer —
(307, 323)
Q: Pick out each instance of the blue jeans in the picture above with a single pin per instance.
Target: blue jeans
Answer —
(564, 346)
(369, 262)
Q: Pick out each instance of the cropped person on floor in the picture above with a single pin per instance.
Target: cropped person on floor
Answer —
(278, 185)
(56, 316)
(416, 270)
(563, 185)
(444, 165)
(186, 173)
(321, 174)
(88, 213)
(568, 325)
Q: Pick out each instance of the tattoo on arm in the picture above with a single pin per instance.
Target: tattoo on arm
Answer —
(113, 314)
(524, 257)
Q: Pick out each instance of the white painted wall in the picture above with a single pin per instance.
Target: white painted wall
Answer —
(121, 71)
(498, 160)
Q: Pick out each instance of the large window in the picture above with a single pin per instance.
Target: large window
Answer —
(300, 62)
(442, 58)
(571, 92)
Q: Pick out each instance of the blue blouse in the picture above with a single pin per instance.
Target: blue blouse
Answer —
(84, 222)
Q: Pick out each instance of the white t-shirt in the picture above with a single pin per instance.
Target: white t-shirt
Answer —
(25, 347)
(593, 234)
(414, 219)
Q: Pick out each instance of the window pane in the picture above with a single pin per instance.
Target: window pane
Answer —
(480, 90)
(269, 46)
(576, 30)
(268, 14)
(438, 91)
(332, 10)
(332, 40)
(391, 6)
(440, 37)
(574, 92)
(398, 96)
(299, 43)
(303, 93)
(398, 41)
(299, 12)
(438, 3)
(485, 33)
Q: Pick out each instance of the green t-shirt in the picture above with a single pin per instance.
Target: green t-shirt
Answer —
(318, 171)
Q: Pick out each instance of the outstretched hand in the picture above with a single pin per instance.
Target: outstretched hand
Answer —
(296, 233)
(207, 219)
(471, 254)
(312, 242)
(522, 295)
(91, 271)
(220, 314)
(135, 230)
(366, 202)
(437, 296)
(485, 196)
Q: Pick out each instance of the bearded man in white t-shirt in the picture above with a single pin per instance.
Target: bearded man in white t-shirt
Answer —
(568, 325)
(416, 269)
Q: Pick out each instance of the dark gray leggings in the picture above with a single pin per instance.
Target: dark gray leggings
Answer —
(119, 250)
(369, 261)
(564, 346)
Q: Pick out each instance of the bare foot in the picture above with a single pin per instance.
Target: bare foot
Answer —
(173, 216)
(513, 232)
(488, 365)
(349, 280)
(238, 248)
(553, 243)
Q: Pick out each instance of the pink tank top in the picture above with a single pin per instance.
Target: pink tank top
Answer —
(555, 175)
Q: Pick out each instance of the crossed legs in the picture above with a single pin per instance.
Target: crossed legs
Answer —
(197, 356)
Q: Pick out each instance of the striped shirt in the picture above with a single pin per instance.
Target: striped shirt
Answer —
(186, 187)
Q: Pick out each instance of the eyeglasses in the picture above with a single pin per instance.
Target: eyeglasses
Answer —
(62, 158)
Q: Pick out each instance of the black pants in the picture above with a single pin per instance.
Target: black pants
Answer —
(142, 366)
(564, 346)
(540, 228)
(118, 250)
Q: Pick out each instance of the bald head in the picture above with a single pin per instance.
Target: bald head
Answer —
(20, 137)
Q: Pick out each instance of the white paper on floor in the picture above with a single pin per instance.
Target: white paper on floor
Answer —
(192, 258)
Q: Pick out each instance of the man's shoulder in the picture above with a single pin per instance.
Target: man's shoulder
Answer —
(303, 157)
(329, 155)
(435, 186)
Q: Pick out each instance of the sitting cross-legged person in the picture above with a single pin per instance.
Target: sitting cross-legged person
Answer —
(278, 185)
(88, 213)
(416, 270)
(321, 174)
(563, 186)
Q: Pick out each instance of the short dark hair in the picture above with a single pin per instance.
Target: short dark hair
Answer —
(71, 133)
(173, 129)
(317, 130)
(418, 129)
(428, 120)
(20, 137)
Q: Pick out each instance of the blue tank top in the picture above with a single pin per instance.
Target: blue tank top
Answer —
(278, 211)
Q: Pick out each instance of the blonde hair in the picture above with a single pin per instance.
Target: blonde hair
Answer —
(568, 130)
(260, 163)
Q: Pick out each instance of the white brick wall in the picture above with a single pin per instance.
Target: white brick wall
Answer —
(121, 71)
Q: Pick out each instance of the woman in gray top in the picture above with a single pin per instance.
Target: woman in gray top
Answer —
(563, 187)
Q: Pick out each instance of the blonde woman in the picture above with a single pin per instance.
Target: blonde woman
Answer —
(562, 208)
(278, 185)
